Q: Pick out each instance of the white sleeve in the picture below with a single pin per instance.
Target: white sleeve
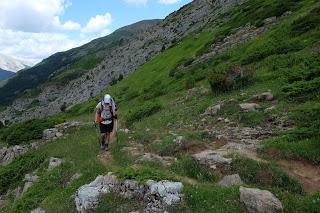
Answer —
(98, 106)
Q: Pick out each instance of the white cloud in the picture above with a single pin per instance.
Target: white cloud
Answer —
(33, 15)
(137, 2)
(97, 24)
(168, 1)
(32, 30)
(33, 47)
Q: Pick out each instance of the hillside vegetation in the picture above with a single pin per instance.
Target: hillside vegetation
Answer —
(163, 100)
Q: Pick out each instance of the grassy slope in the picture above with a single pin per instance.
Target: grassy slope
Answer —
(279, 53)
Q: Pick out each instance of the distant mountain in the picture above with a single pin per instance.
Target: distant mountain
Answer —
(4, 74)
(75, 61)
(11, 64)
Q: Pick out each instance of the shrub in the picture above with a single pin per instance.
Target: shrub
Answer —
(306, 23)
(143, 111)
(303, 90)
(12, 174)
(29, 130)
(230, 78)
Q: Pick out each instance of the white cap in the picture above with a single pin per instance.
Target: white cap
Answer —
(107, 99)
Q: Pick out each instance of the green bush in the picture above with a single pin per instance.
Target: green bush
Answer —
(303, 90)
(307, 22)
(13, 174)
(29, 130)
(145, 110)
(230, 77)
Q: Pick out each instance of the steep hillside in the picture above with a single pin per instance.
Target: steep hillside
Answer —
(229, 115)
(81, 58)
(4, 74)
(69, 89)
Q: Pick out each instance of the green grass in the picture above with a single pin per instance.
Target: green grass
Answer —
(79, 151)
(265, 174)
(114, 203)
(303, 141)
(27, 131)
(208, 198)
(286, 61)
(13, 174)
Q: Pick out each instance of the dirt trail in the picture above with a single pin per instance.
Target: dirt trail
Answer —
(307, 174)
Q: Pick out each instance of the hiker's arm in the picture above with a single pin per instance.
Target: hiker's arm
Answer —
(96, 116)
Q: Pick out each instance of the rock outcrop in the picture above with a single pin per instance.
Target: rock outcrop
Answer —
(156, 195)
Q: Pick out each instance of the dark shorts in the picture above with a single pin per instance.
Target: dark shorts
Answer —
(106, 128)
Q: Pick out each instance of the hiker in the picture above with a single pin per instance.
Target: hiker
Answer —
(105, 114)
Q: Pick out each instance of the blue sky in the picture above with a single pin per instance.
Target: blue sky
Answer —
(32, 30)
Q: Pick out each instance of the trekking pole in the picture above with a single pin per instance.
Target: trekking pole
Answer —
(116, 125)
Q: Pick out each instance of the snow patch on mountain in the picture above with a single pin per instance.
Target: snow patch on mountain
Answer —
(11, 64)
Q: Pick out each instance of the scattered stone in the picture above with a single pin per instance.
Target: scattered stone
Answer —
(180, 139)
(220, 119)
(211, 159)
(156, 195)
(132, 151)
(156, 158)
(269, 109)
(266, 96)
(226, 120)
(213, 110)
(249, 107)
(231, 180)
(74, 177)
(58, 130)
(198, 91)
(8, 154)
(38, 210)
(50, 134)
(54, 162)
(257, 200)
(126, 131)
(28, 181)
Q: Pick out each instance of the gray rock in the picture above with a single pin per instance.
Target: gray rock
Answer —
(269, 109)
(260, 201)
(213, 110)
(49, 134)
(211, 159)
(54, 162)
(249, 107)
(266, 96)
(38, 210)
(231, 180)
(157, 195)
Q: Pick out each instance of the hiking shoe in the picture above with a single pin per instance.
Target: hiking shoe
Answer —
(106, 147)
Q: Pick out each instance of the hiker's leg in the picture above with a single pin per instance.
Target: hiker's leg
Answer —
(103, 139)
